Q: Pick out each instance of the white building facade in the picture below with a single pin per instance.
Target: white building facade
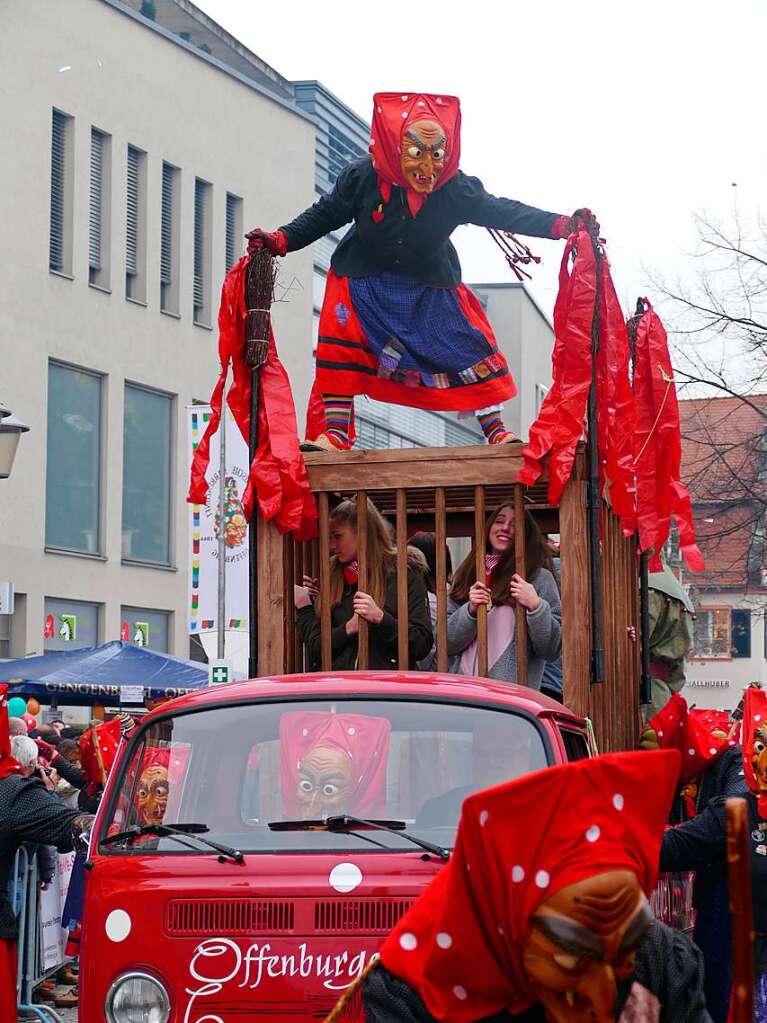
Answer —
(137, 150)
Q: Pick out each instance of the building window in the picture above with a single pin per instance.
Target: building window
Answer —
(233, 230)
(62, 179)
(99, 209)
(712, 639)
(70, 624)
(202, 252)
(135, 226)
(147, 439)
(341, 151)
(741, 633)
(5, 636)
(169, 238)
(145, 628)
(73, 468)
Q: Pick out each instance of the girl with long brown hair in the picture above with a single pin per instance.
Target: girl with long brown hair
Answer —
(501, 589)
(378, 606)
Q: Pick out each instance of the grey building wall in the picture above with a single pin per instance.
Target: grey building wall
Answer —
(100, 63)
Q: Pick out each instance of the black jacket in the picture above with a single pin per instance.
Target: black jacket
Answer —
(89, 794)
(416, 247)
(383, 637)
(667, 964)
(28, 813)
(701, 843)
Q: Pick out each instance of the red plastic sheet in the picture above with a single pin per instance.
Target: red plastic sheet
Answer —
(658, 448)
(561, 423)
(278, 478)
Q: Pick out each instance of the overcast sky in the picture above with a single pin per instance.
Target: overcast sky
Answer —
(644, 111)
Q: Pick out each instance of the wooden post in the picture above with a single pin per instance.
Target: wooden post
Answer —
(479, 550)
(440, 533)
(272, 605)
(403, 646)
(363, 636)
(326, 657)
(741, 910)
(576, 602)
(520, 555)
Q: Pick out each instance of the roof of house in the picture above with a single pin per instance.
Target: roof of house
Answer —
(724, 464)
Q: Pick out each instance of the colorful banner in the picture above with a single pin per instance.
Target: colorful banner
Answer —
(205, 525)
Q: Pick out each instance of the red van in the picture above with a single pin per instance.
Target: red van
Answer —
(258, 840)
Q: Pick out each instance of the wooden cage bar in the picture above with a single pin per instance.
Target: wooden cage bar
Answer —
(447, 491)
(363, 578)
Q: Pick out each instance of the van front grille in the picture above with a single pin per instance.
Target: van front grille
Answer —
(359, 916)
(192, 917)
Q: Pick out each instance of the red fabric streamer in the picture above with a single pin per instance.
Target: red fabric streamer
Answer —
(561, 422)
(755, 722)
(278, 479)
(107, 735)
(8, 764)
(393, 113)
(658, 448)
(691, 732)
(518, 844)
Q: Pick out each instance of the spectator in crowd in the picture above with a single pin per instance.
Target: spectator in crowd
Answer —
(501, 590)
(16, 727)
(378, 606)
(426, 543)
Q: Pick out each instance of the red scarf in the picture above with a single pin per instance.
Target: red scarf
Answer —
(658, 447)
(754, 717)
(459, 946)
(278, 475)
(393, 113)
(8, 764)
(690, 732)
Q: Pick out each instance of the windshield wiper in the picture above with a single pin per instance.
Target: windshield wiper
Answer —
(345, 824)
(179, 832)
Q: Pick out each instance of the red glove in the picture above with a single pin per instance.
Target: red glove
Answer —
(275, 242)
(564, 226)
(45, 748)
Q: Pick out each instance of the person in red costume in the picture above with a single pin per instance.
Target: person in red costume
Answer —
(542, 913)
(397, 323)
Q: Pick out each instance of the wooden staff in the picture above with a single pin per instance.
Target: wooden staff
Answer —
(741, 911)
(97, 751)
(259, 292)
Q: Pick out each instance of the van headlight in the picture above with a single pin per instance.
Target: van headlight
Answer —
(137, 998)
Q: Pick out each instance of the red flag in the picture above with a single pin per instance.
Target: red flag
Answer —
(658, 447)
(278, 478)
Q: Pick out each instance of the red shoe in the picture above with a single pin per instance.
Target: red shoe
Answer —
(325, 442)
(505, 437)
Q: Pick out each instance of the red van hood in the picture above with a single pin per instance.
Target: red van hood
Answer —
(282, 936)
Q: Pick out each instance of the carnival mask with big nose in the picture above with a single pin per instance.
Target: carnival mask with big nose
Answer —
(582, 941)
(759, 758)
(152, 795)
(423, 150)
(324, 779)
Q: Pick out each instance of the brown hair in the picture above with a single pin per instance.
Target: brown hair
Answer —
(381, 552)
(537, 556)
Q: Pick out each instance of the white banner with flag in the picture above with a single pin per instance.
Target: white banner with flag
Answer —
(205, 526)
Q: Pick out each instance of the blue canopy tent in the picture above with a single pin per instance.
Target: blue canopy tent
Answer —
(110, 674)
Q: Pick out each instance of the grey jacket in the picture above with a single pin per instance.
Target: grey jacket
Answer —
(544, 639)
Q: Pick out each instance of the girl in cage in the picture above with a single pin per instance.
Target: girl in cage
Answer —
(501, 590)
(378, 606)
(397, 323)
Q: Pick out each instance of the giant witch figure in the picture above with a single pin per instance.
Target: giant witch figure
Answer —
(397, 323)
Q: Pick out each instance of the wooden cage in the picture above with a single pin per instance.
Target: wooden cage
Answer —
(449, 491)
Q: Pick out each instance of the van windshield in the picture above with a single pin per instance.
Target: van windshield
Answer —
(235, 769)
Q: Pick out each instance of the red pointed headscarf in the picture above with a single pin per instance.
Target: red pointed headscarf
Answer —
(755, 745)
(8, 763)
(691, 732)
(393, 113)
(518, 844)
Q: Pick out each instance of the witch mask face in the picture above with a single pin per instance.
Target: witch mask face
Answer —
(152, 795)
(581, 942)
(324, 782)
(423, 150)
(759, 758)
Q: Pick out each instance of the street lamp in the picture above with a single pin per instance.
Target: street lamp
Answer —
(11, 428)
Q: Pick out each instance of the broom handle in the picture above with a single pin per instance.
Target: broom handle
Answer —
(741, 911)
